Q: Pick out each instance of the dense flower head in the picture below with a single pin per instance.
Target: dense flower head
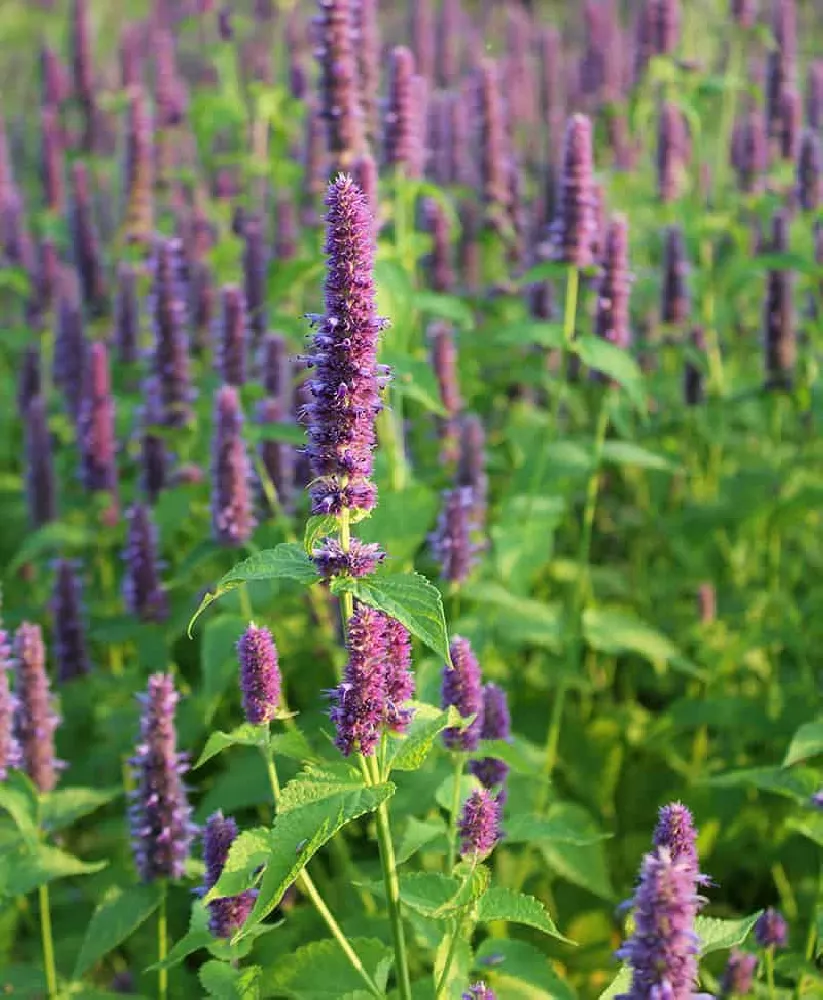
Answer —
(361, 559)
(810, 172)
(491, 771)
(366, 176)
(143, 590)
(778, 314)
(95, 424)
(170, 352)
(451, 542)
(462, 688)
(126, 316)
(574, 225)
(479, 824)
(231, 500)
(399, 676)
(750, 152)
(339, 91)
(359, 702)
(675, 831)
(41, 484)
(479, 991)
(226, 916)
(662, 951)
(673, 152)
(493, 145)
(260, 681)
(10, 756)
(154, 457)
(70, 652)
(345, 382)
(70, 344)
(738, 975)
(254, 275)
(159, 813)
(439, 262)
(399, 134)
(30, 379)
(85, 244)
(35, 719)
(233, 336)
(771, 929)
(781, 60)
(275, 368)
(612, 316)
(675, 305)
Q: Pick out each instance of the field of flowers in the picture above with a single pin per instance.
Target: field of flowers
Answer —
(410, 499)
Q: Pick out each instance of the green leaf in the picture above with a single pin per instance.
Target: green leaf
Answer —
(500, 903)
(409, 598)
(528, 333)
(620, 984)
(444, 795)
(418, 834)
(18, 797)
(293, 744)
(583, 865)
(524, 829)
(319, 526)
(218, 655)
(798, 784)
(414, 378)
(717, 935)
(248, 852)
(521, 756)
(627, 453)
(287, 561)
(429, 893)
(197, 937)
(244, 735)
(320, 970)
(806, 742)
(809, 826)
(615, 362)
(521, 967)
(116, 918)
(53, 538)
(447, 307)
(65, 806)
(407, 753)
(221, 980)
(615, 632)
(523, 621)
(27, 868)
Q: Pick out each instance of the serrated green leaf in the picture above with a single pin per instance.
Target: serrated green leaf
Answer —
(615, 362)
(29, 866)
(409, 598)
(628, 453)
(429, 893)
(244, 735)
(798, 784)
(248, 853)
(806, 742)
(500, 903)
(716, 934)
(223, 981)
(407, 752)
(287, 561)
(65, 806)
(320, 970)
(319, 526)
(520, 965)
(18, 797)
(116, 918)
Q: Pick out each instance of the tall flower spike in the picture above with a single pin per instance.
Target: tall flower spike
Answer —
(493, 145)
(95, 424)
(260, 681)
(399, 676)
(170, 352)
(771, 929)
(814, 95)
(315, 163)
(693, 371)
(126, 316)
(471, 467)
(738, 976)
(359, 703)
(751, 159)
(744, 13)
(810, 172)
(35, 720)
(449, 34)
(673, 152)
(367, 47)
(789, 124)
(573, 228)
(70, 345)
(781, 68)
(70, 652)
(286, 236)
(444, 364)
(51, 160)
(10, 756)
(399, 134)
(422, 35)
(346, 383)
(154, 457)
(254, 276)
(138, 170)
(85, 243)
(778, 318)
(675, 831)
(275, 368)
(339, 93)
(226, 916)
(232, 346)
(81, 50)
(662, 951)
(491, 771)
(612, 316)
(30, 380)
(159, 813)
(41, 489)
(479, 824)
(143, 591)
(451, 541)
(462, 688)
(439, 262)
(675, 306)
(232, 516)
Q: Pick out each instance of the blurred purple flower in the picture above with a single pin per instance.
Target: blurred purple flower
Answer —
(675, 306)
(233, 336)
(399, 134)
(143, 591)
(35, 719)
(451, 542)
(612, 317)
(232, 516)
(126, 316)
(574, 226)
(771, 929)
(260, 681)
(491, 771)
(10, 753)
(339, 91)
(70, 651)
(95, 424)
(463, 689)
(170, 352)
(479, 824)
(359, 702)
(154, 457)
(227, 915)
(254, 276)
(479, 991)
(41, 484)
(738, 975)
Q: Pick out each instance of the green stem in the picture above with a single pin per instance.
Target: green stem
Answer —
(306, 884)
(442, 982)
(455, 808)
(392, 883)
(346, 599)
(163, 944)
(48, 941)
(770, 971)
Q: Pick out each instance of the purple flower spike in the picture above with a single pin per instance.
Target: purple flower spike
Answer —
(10, 755)
(30, 380)
(70, 345)
(361, 560)
(490, 771)
(359, 703)
(494, 152)
(479, 824)
(738, 976)
(778, 319)
(278, 457)
(254, 275)
(810, 172)
(41, 489)
(817, 799)
(159, 813)
(574, 226)
(138, 170)
(744, 13)
(51, 160)
(751, 153)
(612, 317)
(471, 467)
(692, 371)
(126, 316)
(170, 353)
(95, 424)
(399, 134)
(789, 124)
(449, 36)
(260, 682)
(771, 929)
(81, 50)
(70, 652)
(233, 337)
(444, 363)
(154, 457)
(275, 368)
(479, 991)
(673, 152)
(422, 34)
(675, 306)
(85, 244)
(365, 176)
(451, 542)
(439, 263)
(287, 236)
(315, 163)
(675, 831)
(232, 516)
(663, 949)
(462, 688)
(814, 95)
(226, 916)
(339, 92)
(781, 69)
(142, 590)
(399, 676)
(35, 720)
(346, 382)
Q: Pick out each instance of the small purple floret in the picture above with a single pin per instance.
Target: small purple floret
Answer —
(260, 681)
(462, 688)
(479, 824)
(359, 703)
(771, 929)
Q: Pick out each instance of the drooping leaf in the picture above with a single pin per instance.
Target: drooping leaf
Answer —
(717, 935)
(806, 742)
(56, 536)
(501, 903)
(614, 632)
(629, 453)
(65, 806)
(320, 971)
(521, 967)
(18, 797)
(798, 783)
(615, 362)
(117, 917)
(29, 866)
(407, 752)
(528, 829)
(244, 735)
